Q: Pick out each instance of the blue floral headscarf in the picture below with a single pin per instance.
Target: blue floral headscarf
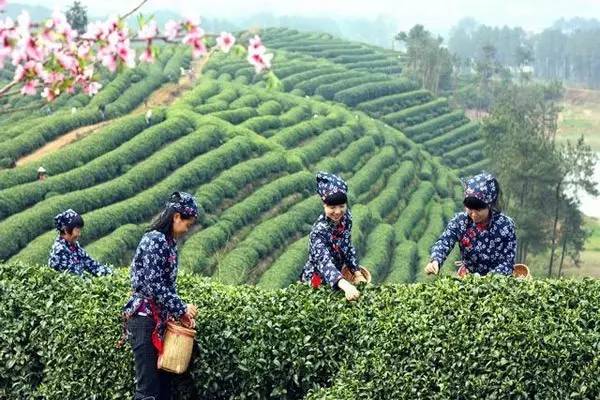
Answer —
(483, 187)
(183, 203)
(330, 184)
(64, 219)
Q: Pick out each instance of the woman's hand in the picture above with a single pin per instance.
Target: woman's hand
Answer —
(187, 321)
(349, 290)
(433, 268)
(191, 310)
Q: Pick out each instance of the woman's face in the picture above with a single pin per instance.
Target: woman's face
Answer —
(335, 213)
(73, 236)
(478, 216)
(181, 225)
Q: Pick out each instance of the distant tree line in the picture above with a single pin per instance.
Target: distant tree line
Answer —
(568, 51)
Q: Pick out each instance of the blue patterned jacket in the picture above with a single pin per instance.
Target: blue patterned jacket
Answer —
(483, 249)
(330, 248)
(71, 257)
(153, 279)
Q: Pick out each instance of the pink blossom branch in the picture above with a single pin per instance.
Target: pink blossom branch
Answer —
(56, 60)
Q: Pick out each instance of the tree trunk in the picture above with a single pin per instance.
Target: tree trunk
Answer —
(562, 255)
(554, 229)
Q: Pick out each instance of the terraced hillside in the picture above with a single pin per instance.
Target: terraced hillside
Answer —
(249, 155)
(322, 67)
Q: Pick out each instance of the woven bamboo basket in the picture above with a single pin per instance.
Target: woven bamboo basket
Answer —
(177, 348)
(349, 276)
(521, 271)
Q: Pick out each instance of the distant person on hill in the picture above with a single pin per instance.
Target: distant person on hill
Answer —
(330, 242)
(486, 236)
(154, 299)
(42, 174)
(148, 117)
(66, 254)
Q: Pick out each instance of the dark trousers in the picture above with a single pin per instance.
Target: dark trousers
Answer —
(150, 382)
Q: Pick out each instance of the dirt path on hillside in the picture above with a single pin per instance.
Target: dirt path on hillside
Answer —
(163, 96)
(62, 141)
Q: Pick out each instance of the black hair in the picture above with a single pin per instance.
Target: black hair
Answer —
(163, 222)
(41, 173)
(474, 203)
(76, 222)
(336, 199)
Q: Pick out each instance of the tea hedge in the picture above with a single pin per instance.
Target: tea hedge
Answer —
(490, 338)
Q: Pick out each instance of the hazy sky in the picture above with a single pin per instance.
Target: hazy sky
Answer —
(434, 14)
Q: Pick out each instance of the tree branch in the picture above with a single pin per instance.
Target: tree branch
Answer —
(134, 10)
(7, 88)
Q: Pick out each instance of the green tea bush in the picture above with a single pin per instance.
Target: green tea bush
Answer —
(492, 338)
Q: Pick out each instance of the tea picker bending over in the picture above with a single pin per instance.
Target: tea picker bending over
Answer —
(330, 242)
(66, 253)
(486, 237)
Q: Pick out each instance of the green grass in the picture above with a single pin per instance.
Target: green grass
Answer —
(581, 116)
(590, 257)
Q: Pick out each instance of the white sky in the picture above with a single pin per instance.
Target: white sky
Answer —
(434, 14)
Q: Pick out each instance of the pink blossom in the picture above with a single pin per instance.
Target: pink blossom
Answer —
(30, 70)
(53, 77)
(34, 50)
(83, 50)
(59, 22)
(113, 38)
(92, 88)
(50, 94)
(126, 54)
(66, 61)
(256, 45)
(109, 60)
(260, 61)
(225, 41)
(172, 29)
(2, 4)
(96, 31)
(192, 25)
(195, 40)
(30, 87)
(147, 55)
(148, 31)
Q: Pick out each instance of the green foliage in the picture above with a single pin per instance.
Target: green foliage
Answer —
(287, 268)
(397, 342)
(202, 245)
(82, 151)
(138, 208)
(413, 213)
(380, 244)
(108, 166)
(373, 90)
(404, 263)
